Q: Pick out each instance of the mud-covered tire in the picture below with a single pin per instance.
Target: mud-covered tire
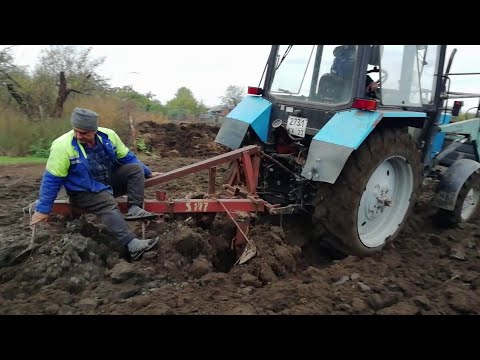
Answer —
(456, 216)
(337, 205)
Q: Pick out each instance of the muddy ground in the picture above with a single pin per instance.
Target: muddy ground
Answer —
(77, 268)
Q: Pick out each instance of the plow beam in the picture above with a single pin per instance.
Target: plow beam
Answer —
(245, 152)
(193, 206)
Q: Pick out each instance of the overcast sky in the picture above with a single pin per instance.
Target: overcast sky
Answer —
(207, 70)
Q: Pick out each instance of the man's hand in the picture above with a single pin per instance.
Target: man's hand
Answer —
(373, 86)
(155, 173)
(38, 217)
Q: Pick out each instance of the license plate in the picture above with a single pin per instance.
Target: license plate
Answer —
(296, 126)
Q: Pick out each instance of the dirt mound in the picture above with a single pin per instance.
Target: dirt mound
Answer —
(194, 140)
(77, 268)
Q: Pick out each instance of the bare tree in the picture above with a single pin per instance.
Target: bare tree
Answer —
(73, 70)
(233, 95)
(61, 71)
(6, 60)
(23, 100)
(8, 72)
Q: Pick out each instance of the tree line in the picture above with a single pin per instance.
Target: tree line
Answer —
(66, 72)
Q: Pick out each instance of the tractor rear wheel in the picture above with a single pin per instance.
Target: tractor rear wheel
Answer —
(369, 204)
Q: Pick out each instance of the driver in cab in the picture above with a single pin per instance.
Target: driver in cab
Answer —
(343, 67)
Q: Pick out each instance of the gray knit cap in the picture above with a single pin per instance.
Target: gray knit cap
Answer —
(84, 119)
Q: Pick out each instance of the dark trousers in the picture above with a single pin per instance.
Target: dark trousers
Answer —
(128, 179)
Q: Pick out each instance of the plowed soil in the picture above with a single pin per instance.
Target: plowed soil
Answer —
(76, 267)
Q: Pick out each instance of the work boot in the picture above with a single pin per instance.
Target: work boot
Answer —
(137, 247)
(135, 212)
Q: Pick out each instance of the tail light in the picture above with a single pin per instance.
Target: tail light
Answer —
(364, 104)
(254, 90)
(457, 105)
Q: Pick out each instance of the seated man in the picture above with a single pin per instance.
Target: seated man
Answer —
(335, 86)
(344, 60)
(343, 65)
(95, 166)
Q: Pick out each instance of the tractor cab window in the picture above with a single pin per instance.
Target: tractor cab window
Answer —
(427, 62)
(315, 73)
(408, 74)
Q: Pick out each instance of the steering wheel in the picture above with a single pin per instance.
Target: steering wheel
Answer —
(383, 76)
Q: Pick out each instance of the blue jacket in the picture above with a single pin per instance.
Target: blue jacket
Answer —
(67, 165)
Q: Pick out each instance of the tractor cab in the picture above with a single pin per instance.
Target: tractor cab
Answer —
(332, 76)
(307, 85)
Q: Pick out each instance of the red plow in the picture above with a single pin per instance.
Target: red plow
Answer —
(239, 199)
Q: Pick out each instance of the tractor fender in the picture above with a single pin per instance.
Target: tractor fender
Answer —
(452, 182)
(252, 111)
(342, 134)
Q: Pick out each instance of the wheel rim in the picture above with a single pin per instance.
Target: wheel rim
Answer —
(470, 204)
(385, 201)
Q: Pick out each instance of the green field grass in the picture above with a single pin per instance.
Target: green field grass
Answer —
(9, 160)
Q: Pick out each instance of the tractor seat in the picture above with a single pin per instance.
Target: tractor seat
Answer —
(331, 88)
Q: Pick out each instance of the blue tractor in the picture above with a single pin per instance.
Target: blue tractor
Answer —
(349, 133)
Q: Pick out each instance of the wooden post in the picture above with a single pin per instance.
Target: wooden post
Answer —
(133, 134)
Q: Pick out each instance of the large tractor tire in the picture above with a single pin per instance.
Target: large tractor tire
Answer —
(466, 206)
(371, 200)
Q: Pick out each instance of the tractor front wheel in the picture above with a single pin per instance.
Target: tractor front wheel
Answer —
(369, 204)
(466, 206)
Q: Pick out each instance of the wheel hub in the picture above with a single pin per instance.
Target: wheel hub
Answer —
(385, 201)
(378, 201)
